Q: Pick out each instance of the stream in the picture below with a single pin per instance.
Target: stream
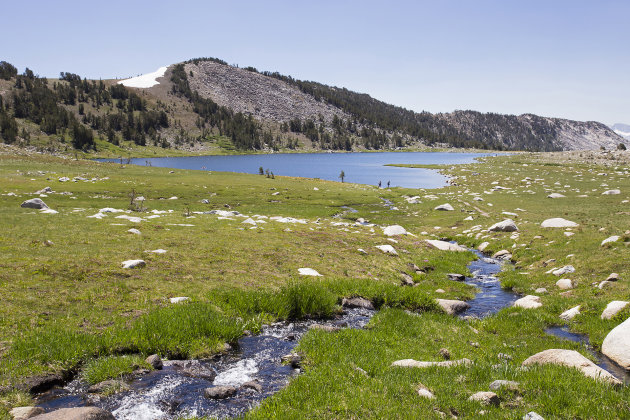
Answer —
(178, 389)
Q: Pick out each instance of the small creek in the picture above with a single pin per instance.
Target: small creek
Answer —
(178, 389)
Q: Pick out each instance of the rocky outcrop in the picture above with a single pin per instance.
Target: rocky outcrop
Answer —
(571, 358)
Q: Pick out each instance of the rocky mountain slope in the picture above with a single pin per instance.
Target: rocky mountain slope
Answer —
(273, 97)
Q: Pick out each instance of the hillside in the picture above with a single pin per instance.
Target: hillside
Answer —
(207, 106)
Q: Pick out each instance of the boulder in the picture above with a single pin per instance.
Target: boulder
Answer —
(507, 225)
(571, 358)
(453, 307)
(613, 308)
(23, 413)
(485, 398)
(308, 272)
(418, 364)
(498, 384)
(394, 230)
(253, 385)
(570, 313)
(456, 276)
(219, 392)
(564, 270)
(357, 302)
(444, 207)
(616, 345)
(134, 231)
(610, 239)
(564, 284)
(558, 222)
(528, 302)
(34, 203)
(387, 249)
(611, 192)
(482, 246)
(406, 279)
(541, 290)
(78, 413)
(444, 246)
(556, 195)
(133, 263)
(155, 361)
(44, 190)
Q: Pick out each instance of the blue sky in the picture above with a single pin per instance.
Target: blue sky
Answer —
(557, 58)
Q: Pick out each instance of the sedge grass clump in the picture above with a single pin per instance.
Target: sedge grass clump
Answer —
(181, 331)
(112, 367)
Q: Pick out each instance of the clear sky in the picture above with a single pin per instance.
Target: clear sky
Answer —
(556, 58)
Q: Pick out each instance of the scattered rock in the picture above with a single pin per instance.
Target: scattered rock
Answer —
(357, 302)
(498, 384)
(394, 230)
(456, 277)
(613, 308)
(34, 203)
(564, 270)
(444, 246)
(556, 195)
(134, 231)
(179, 299)
(406, 279)
(440, 291)
(613, 277)
(564, 284)
(616, 345)
(558, 222)
(528, 302)
(219, 392)
(44, 190)
(387, 249)
(611, 192)
(603, 284)
(155, 361)
(157, 251)
(108, 385)
(532, 415)
(610, 239)
(507, 225)
(133, 263)
(362, 251)
(485, 398)
(23, 413)
(482, 246)
(453, 307)
(502, 254)
(570, 313)
(417, 364)
(308, 272)
(425, 392)
(78, 413)
(540, 290)
(571, 358)
(445, 207)
(254, 385)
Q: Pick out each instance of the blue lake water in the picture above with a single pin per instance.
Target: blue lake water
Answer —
(360, 168)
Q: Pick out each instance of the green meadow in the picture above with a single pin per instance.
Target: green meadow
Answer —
(68, 305)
